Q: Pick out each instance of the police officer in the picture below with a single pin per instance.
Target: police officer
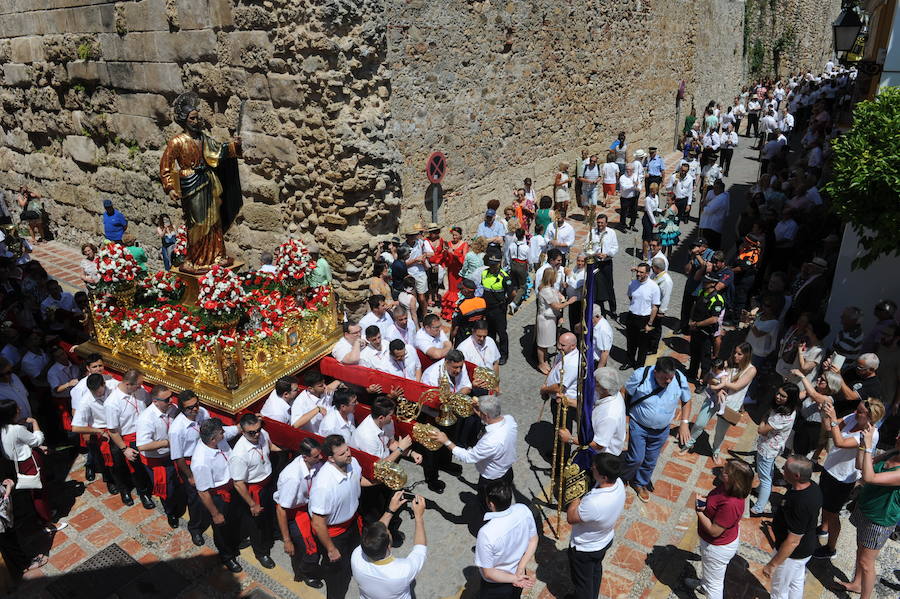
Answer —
(703, 324)
(498, 288)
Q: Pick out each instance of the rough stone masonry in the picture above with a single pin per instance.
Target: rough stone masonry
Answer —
(346, 98)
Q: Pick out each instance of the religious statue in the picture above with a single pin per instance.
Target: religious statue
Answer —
(202, 174)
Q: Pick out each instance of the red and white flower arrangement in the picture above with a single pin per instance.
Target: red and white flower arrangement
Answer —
(221, 297)
(116, 268)
(131, 324)
(179, 250)
(161, 288)
(317, 297)
(292, 261)
(105, 308)
(259, 280)
(173, 328)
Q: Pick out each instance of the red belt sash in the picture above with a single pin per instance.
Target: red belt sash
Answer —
(304, 524)
(224, 491)
(160, 469)
(105, 450)
(256, 488)
(65, 412)
(129, 440)
(335, 530)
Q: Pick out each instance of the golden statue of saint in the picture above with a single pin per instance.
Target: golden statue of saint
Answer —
(202, 175)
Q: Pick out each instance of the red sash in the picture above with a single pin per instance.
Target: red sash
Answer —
(105, 450)
(304, 524)
(129, 439)
(65, 413)
(256, 488)
(159, 467)
(224, 491)
(335, 530)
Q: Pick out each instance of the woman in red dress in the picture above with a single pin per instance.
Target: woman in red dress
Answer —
(454, 255)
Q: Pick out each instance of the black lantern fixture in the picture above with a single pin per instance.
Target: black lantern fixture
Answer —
(846, 28)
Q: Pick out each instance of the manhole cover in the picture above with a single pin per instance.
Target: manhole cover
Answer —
(99, 576)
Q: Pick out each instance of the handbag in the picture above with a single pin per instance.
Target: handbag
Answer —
(732, 417)
(29, 481)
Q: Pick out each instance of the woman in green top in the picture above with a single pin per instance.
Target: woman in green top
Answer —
(544, 214)
(877, 510)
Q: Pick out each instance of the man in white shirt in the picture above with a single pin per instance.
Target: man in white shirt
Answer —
(605, 245)
(340, 419)
(431, 339)
(291, 498)
(125, 403)
(278, 404)
(601, 338)
(593, 519)
(454, 367)
(251, 471)
(402, 361)
(561, 235)
(607, 415)
(375, 353)
(378, 573)
(505, 544)
(480, 349)
(333, 505)
(89, 418)
(348, 347)
(79, 393)
(554, 260)
(312, 403)
(153, 442)
(375, 434)
(663, 279)
(265, 263)
(517, 258)
(729, 140)
(681, 186)
(656, 252)
(714, 212)
(212, 477)
(644, 297)
(403, 328)
(377, 315)
(495, 452)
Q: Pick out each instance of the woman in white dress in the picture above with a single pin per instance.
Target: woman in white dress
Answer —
(550, 304)
(561, 188)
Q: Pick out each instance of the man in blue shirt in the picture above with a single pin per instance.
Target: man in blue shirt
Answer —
(654, 394)
(491, 229)
(655, 169)
(114, 222)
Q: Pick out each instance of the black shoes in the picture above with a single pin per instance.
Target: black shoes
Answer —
(197, 539)
(503, 361)
(89, 473)
(146, 501)
(127, 500)
(111, 488)
(266, 561)
(452, 469)
(437, 486)
(232, 566)
(311, 582)
(173, 521)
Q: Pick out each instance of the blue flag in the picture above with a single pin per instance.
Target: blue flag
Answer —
(585, 426)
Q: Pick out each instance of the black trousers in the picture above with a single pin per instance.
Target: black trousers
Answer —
(484, 483)
(96, 460)
(753, 121)
(652, 179)
(227, 536)
(628, 210)
(743, 283)
(701, 350)
(636, 340)
(337, 574)
(498, 590)
(496, 319)
(173, 504)
(725, 159)
(687, 302)
(198, 516)
(683, 210)
(125, 479)
(576, 313)
(258, 527)
(604, 292)
(15, 557)
(518, 273)
(586, 570)
(655, 335)
(304, 564)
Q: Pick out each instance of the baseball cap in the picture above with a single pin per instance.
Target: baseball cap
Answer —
(490, 212)
(467, 283)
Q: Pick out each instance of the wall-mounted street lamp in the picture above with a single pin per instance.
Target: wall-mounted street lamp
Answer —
(846, 28)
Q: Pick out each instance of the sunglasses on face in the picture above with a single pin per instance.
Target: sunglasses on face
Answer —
(254, 433)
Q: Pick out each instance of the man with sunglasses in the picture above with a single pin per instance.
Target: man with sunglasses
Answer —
(184, 434)
(860, 383)
(153, 443)
(251, 471)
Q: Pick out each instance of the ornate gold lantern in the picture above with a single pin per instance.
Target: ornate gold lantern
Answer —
(422, 433)
(390, 474)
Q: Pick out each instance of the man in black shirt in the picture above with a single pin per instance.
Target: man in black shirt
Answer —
(702, 327)
(794, 527)
(860, 384)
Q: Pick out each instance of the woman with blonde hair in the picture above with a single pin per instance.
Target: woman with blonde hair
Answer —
(550, 305)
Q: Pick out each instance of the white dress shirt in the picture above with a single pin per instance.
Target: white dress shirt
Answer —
(424, 341)
(407, 335)
(250, 462)
(599, 512)
(575, 283)
(334, 424)
(18, 442)
(388, 578)
(560, 275)
(153, 425)
(60, 374)
(209, 465)
(16, 391)
(643, 296)
(294, 484)
(305, 402)
(608, 422)
(681, 188)
(341, 349)
(373, 440)
(604, 243)
(664, 280)
(373, 358)
(406, 368)
(80, 393)
(536, 247)
(564, 235)
(184, 434)
(716, 211)
(432, 377)
(517, 251)
(495, 452)
(480, 355)
(335, 493)
(602, 338)
(504, 538)
(276, 408)
(629, 187)
(384, 323)
(122, 410)
(711, 140)
(570, 373)
(92, 412)
(730, 140)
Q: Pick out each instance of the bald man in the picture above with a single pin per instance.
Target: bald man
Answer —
(562, 380)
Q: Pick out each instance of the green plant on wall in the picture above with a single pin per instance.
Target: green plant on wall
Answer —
(87, 51)
(865, 184)
(757, 56)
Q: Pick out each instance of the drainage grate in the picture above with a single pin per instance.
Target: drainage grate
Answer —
(98, 577)
(159, 581)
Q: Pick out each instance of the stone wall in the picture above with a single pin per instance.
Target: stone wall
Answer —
(346, 98)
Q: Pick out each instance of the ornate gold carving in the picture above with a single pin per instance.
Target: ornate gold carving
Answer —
(422, 432)
(390, 474)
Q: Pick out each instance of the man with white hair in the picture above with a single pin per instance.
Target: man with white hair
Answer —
(602, 338)
(860, 384)
(495, 452)
(607, 416)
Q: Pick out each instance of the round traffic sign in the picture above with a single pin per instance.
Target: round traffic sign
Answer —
(436, 167)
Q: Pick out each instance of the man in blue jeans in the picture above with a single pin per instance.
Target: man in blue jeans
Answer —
(654, 394)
